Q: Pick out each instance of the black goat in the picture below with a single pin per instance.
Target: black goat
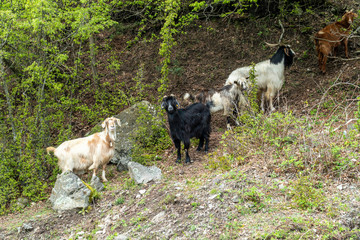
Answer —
(186, 123)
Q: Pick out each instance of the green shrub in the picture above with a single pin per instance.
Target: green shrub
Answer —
(305, 195)
(151, 138)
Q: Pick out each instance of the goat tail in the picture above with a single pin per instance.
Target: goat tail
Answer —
(50, 149)
(189, 97)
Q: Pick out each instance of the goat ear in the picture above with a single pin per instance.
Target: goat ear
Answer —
(286, 50)
(163, 104)
(103, 125)
(177, 104)
(118, 122)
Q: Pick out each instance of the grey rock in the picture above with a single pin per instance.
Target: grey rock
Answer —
(22, 202)
(97, 184)
(125, 134)
(69, 193)
(159, 217)
(27, 227)
(121, 237)
(142, 174)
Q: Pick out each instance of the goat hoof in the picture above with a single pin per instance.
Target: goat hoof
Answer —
(178, 161)
(188, 161)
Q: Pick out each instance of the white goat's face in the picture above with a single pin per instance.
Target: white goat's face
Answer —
(242, 84)
(110, 123)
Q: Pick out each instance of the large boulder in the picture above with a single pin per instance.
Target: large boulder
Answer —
(125, 134)
(142, 174)
(69, 193)
(129, 127)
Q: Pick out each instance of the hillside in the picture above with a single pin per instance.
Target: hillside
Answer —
(254, 199)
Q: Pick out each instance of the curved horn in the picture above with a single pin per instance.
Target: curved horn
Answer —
(272, 44)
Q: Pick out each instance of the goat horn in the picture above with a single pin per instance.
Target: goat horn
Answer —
(272, 44)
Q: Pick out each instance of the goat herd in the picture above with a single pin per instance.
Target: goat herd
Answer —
(194, 121)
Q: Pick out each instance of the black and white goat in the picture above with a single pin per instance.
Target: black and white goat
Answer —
(269, 75)
(186, 123)
(229, 98)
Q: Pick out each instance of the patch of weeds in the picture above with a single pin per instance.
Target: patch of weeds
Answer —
(169, 198)
(305, 195)
(136, 220)
(119, 201)
(120, 223)
(255, 196)
(141, 202)
(232, 229)
(223, 162)
(129, 184)
(243, 210)
(214, 191)
(194, 183)
(300, 228)
(112, 236)
(151, 137)
(236, 175)
(192, 228)
(195, 205)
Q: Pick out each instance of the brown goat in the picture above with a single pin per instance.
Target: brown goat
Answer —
(331, 37)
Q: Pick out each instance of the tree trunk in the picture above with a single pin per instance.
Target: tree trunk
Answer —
(8, 98)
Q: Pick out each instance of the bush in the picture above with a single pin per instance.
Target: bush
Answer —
(152, 138)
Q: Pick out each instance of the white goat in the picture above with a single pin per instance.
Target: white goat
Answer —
(269, 74)
(90, 152)
(229, 98)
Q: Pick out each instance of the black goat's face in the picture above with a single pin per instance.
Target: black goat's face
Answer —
(170, 104)
(289, 56)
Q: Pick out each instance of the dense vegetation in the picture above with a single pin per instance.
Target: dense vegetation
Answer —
(52, 89)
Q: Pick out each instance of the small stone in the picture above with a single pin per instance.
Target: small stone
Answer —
(213, 196)
(142, 191)
(27, 227)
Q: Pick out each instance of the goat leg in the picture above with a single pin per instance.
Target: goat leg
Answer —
(188, 160)
(186, 147)
(94, 173)
(201, 144)
(103, 174)
(206, 144)
(272, 109)
(228, 123)
(178, 147)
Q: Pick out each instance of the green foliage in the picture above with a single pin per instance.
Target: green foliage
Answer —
(151, 137)
(119, 201)
(40, 78)
(357, 115)
(286, 143)
(305, 195)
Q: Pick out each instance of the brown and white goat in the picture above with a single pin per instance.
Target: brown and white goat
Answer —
(88, 153)
(331, 37)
